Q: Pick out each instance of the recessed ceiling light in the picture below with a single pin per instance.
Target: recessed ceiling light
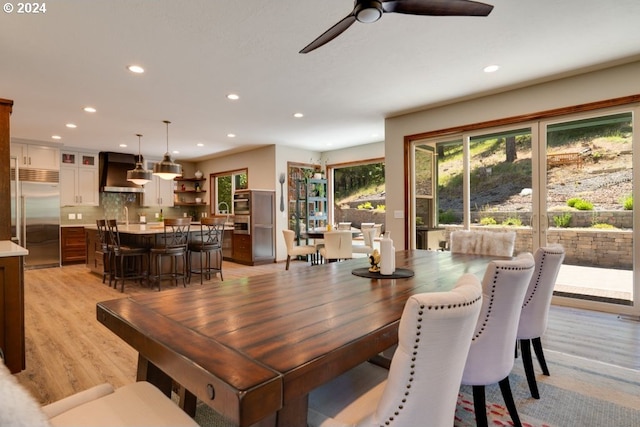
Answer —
(175, 152)
(231, 135)
(233, 96)
(491, 68)
(123, 145)
(298, 115)
(71, 125)
(200, 144)
(89, 109)
(135, 69)
(56, 137)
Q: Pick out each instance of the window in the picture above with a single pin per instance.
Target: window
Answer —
(358, 191)
(223, 185)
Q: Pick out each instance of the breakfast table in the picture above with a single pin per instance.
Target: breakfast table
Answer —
(253, 348)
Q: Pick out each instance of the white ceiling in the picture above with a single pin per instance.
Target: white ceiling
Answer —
(196, 52)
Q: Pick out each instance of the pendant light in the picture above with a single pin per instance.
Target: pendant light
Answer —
(167, 169)
(139, 175)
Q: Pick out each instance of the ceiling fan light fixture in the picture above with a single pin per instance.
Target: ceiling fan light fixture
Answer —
(167, 168)
(368, 11)
(139, 175)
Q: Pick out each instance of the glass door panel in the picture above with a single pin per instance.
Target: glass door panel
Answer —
(589, 202)
(500, 183)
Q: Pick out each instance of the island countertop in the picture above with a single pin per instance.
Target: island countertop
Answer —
(9, 249)
(149, 228)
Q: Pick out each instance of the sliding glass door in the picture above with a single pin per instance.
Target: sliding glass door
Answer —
(568, 181)
(589, 204)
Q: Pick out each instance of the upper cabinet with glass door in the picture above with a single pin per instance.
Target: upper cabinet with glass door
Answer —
(79, 179)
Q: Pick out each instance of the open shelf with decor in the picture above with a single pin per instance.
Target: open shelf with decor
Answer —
(189, 192)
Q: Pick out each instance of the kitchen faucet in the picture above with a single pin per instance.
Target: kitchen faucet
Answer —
(126, 216)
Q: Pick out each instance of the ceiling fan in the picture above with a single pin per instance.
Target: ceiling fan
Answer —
(369, 11)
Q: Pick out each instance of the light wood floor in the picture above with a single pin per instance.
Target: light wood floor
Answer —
(69, 351)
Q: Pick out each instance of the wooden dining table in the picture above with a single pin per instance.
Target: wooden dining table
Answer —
(253, 348)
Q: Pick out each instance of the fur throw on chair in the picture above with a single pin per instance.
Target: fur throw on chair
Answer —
(17, 407)
(493, 243)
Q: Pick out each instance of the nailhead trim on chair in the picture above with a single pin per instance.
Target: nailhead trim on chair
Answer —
(417, 345)
(545, 253)
(493, 291)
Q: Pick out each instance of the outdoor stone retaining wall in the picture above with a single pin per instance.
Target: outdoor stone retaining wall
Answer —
(619, 219)
(583, 246)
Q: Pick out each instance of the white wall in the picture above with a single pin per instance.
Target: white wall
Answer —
(595, 86)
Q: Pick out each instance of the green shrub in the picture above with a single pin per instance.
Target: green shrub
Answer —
(447, 217)
(604, 226)
(512, 221)
(487, 220)
(628, 203)
(563, 220)
(572, 201)
(583, 205)
(365, 205)
(381, 208)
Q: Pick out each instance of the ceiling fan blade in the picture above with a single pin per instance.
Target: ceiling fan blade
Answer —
(331, 33)
(437, 7)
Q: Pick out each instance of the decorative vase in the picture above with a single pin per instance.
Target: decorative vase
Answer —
(198, 174)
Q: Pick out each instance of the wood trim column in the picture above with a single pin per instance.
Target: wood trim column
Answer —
(6, 107)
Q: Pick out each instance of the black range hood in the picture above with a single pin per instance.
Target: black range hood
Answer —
(113, 172)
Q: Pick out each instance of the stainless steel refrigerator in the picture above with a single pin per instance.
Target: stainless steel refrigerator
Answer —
(35, 215)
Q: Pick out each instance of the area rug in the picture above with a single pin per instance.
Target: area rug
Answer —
(579, 392)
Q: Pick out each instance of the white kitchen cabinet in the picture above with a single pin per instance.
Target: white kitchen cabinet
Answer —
(157, 192)
(36, 156)
(79, 179)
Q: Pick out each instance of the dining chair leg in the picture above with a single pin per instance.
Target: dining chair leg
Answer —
(288, 261)
(537, 347)
(505, 388)
(479, 405)
(525, 348)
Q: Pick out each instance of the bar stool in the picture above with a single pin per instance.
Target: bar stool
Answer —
(126, 262)
(208, 242)
(175, 241)
(105, 248)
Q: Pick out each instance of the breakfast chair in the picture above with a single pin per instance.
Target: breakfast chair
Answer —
(421, 386)
(105, 248)
(535, 310)
(490, 358)
(293, 250)
(338, 245)
(174, 245)
(368, 235)
(125, 262)
(492, 243)
(207, 242)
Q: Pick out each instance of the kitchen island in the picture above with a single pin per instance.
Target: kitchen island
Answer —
(133, 235)
(12, 340)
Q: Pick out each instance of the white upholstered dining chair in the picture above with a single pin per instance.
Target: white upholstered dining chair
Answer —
(338, 245)
(296, 250)
(423, 381)
(368, 235)
(490, 358)
(136, 404)
(535, 310)
(480, 242)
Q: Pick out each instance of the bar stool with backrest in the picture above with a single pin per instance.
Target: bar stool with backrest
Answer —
(105, 248)
(126, 262)
(206, 243)
(174, 245)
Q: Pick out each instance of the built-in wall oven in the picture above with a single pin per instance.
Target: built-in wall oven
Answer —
(241, 224)
(242, 203)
